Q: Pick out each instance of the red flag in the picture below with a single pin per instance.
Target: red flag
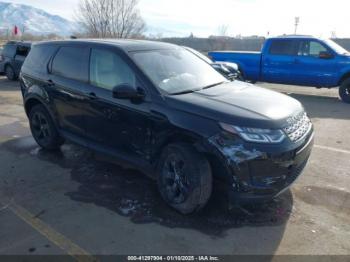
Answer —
(15, 30)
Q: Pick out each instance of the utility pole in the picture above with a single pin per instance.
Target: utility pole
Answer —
(333, 34)
(297, 20)
(22, 32)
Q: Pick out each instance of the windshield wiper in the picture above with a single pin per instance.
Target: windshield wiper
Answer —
(199, 89)
(212, 85)
(185, 92)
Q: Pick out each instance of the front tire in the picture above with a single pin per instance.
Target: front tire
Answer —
(344, 91)
(10, 73)
(43, 128)
(240, 76)
(184, 178)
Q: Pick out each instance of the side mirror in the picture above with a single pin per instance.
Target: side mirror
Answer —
(126, 91)
(325, 55)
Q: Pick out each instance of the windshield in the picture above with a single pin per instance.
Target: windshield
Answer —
(177, 70)
(337, 48)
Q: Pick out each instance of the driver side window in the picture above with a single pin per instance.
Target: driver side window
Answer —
(311, 48)
(108, 70)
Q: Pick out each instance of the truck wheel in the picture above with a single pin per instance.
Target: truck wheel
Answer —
(240, 76)
(344, 90)
(184, 178)
(10, 73)
(43, 128)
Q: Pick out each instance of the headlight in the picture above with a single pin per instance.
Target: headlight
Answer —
(256, 135)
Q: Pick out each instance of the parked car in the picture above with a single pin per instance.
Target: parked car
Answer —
(168, 113)
(227, 69)
(297, 60)
(12, 58)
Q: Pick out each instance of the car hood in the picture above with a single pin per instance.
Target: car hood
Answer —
(239, 103)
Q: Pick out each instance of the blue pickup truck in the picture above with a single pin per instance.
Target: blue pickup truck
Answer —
(295, 60)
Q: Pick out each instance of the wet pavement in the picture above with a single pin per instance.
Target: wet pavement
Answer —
(104, 208)
(133, 195)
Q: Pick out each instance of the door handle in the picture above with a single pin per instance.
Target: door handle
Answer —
(50, 83)
(91, 96)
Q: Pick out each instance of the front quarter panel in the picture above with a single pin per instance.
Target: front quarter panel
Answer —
(343, 69)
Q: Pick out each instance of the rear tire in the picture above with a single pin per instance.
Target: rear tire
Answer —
(344, 91)
(10, 73)
(43, 129)
(184, 178)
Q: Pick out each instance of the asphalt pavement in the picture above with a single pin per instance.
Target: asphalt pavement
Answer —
(75, 202)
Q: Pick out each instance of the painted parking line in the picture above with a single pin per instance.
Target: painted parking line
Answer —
(333, 149)
(55, 237)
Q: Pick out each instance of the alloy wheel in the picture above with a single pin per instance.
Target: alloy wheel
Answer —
(174, 179)
(9, 72)
(40, 127)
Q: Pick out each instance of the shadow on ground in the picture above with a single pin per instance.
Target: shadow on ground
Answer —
(7, 85)
(131, 194)
(323, 106)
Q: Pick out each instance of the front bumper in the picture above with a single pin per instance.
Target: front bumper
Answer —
(261, 173)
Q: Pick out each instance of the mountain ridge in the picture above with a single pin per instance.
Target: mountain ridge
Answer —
(34, 20)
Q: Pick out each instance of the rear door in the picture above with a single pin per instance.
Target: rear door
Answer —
(69, 89)
(278, 61)
(8, 53)
(310, 69)
(22, 52)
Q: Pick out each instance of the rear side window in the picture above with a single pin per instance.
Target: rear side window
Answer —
(107, 70)
(39, 57)
(22, 50)
(9, 50)
(70, 62)
(283, 47)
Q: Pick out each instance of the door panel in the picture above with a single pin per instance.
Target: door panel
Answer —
(118, 124)
(278, 61)
(311, 70)
(277, 68)
(70, 101)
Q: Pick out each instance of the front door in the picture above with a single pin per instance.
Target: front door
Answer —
(310, 69)
(117, 124)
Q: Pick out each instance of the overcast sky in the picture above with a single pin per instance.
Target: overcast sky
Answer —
(245, 17)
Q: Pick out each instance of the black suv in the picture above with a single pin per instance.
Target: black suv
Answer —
(12, 57)
(163, 110)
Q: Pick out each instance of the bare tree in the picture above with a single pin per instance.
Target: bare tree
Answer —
(223, 30)
(110, 18)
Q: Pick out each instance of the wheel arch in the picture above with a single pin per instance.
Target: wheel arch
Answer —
(30, 103)
(34, 100)
(175, 137)
(344, 77)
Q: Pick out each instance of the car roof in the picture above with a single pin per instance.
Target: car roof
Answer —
(25, 43)
(128, 45)
(294, 37)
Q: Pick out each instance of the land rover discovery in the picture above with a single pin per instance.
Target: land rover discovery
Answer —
(163, 110)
